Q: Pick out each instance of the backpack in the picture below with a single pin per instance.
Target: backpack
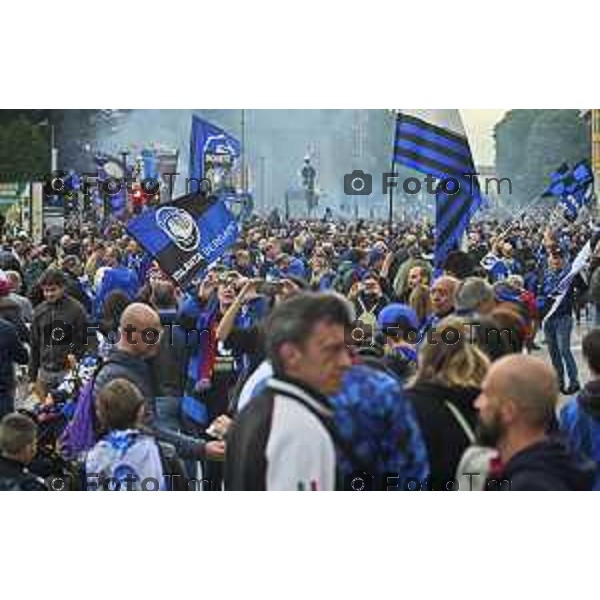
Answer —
(477, 466)
(80, 433)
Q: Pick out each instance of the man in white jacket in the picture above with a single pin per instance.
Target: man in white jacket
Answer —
(281, 440)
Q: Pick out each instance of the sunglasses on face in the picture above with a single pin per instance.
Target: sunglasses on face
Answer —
(232, 282)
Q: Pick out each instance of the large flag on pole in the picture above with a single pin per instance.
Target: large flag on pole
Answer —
(558, 183)
(185, 235)
(578, 265)
(434, 142)
(212, 151)
(584, 176)
(572, 188)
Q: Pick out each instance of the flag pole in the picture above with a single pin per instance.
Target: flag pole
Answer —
(391, 188)
(243, 151)
(391, 199)
(535, 200)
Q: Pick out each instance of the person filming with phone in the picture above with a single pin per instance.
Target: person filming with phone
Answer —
(214, 366)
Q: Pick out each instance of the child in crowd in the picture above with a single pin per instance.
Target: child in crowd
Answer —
(125, 459)
(18, 443)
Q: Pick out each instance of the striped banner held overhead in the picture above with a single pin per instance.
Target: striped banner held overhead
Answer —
(434, 142)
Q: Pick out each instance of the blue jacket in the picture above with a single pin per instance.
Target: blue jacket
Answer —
(297, 268)
(119, 278)
(503, 268)
(579, 422)
(374, 418)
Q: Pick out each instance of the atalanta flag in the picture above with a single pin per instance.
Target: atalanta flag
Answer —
(185, 235)
(213, 151)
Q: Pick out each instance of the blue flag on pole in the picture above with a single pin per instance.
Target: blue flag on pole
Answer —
(434, 142)
(584, 176)
(571, 187)
(557, 182)
(579, 264)
(213, 151)
(185, 235)
(582, 172)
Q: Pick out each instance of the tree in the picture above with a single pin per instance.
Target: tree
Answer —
(530, 144)
(511, 136)
(24, 146)
(555, 137)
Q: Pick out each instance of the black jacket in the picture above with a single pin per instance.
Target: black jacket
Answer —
(171, 363)
(445, 438)
(11, 311)
(11, 351)
(594, 287)
(395, 364)
(9, 262)
(15, 477)
(548, 466)
(46, 317)
(123, 365)
(74, 289)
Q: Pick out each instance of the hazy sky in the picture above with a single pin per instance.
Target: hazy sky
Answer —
(479, 124)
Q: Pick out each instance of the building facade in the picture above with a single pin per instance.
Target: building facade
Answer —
(595, 126)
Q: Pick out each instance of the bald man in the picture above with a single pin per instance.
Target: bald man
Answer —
(132, 359)
(516, 411)
(138, 342)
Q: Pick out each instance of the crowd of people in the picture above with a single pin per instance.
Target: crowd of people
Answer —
(314, 355)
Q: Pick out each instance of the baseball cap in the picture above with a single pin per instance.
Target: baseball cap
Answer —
(375, 254)
(398, 315)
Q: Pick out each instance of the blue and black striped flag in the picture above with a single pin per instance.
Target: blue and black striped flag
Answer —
(434, 142)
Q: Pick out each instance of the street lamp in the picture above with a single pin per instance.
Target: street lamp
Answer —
(309, 175)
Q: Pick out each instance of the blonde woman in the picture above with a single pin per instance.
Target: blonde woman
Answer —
(420, 301)
(450, 371)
